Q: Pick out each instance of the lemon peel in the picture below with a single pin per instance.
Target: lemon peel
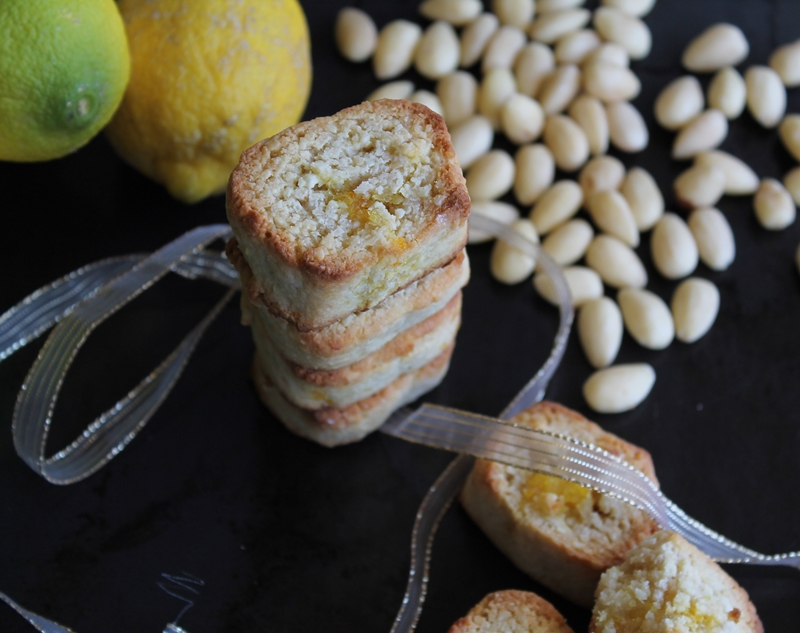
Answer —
(63, 70)
(209, 78)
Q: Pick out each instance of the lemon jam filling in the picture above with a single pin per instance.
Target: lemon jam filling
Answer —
(363, 211)
(358, 184)
(552, 496)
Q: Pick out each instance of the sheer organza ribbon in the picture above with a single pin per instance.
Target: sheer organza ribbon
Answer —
(80, 301)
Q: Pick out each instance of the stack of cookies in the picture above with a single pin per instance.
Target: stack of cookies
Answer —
(349, 236)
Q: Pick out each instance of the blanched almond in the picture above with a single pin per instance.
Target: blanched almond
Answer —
(567, 243)
(356, 34)
(438, 51)
(695, 306)
(574, 47)
(548, 6)
(583, 283)
(626, 127)
(589, 113)
(496, 88)
(616, 263)
(456, 12)
(740, 179)
(639, 8)
(774, 206)
(503, 48)
(427, 98)
(619, 388)
(673, 248)
(509, 265)
(498, 211)
(609, 53)
(491, 176)
(536, 169)
(727, 92)
(533, 64)
(644, 198)
(556, 205)
(476, 36)
(610, 213)
(566, 141)
(679, 102)
(517, 13)
(549, 27)
(766, 95)
(789, 131)
(718, 46)
(600, 331)
(647, 318)
(608, 82)
(559, 89)
(401, 89)
(699, 186)
(602, 173)
(521, 119)
(394, 52)
(786, 62)
(714, 238)
(458, 94)
(626, 30)
(792, 183)
(472, 139)
(706, 131)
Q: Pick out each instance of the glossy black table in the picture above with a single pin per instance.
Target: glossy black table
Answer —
(289, 536)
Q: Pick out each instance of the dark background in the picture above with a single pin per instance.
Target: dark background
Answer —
(290, 536)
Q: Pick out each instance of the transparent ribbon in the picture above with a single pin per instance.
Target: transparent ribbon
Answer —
(38, 312)
(48, 626)
(444, 490)
(83, 299)
(79, 302)
(38, 622)
(479, 436)
(570, 459)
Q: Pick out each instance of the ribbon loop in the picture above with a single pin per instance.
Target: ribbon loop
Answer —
(79, 303)
(82, 300)
(478, 436)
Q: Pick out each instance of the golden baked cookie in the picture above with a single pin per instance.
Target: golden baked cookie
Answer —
(336, 214)
(359, 334)
(512, 611)
(320, 388)
(558, 532)
(333, 426)
(667, 585)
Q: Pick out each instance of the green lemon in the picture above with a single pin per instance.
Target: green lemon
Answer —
(64, 65)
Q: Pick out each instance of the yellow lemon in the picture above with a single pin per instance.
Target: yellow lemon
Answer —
(209, 78)
(63, 70)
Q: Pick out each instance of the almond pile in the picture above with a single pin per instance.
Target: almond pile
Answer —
(554, 78)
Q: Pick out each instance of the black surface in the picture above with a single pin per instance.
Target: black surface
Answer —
(289, 536)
